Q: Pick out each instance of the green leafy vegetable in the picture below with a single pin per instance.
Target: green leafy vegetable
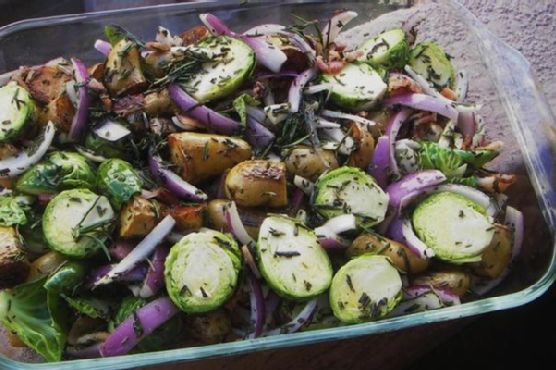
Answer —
(115, 34)
(240, 106)
(95, 308)
(25, 311)
(119, 181)
(66, 278)
(12, 211)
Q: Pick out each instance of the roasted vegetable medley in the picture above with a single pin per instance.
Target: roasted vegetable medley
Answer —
(214, 186)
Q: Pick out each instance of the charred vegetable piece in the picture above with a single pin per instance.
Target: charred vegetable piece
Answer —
(201, 271)
(291, 260)
(365, 289)
(203, 156)
(310, 163)
(76, 222)
(123, 72)
(364, 144)
(12, 210)
(232, 63)
(118, 180)
(350, 190)
(258, 183)
(431, 61)
(457, 282)
(389, 50)
(14, 266)
(48, 82)
(211, 327)
(456, 228)
(59, 171)
(189, 217)
(358, 87)
(497, 255)
(17, 110)
(401, 256)
(138, 217)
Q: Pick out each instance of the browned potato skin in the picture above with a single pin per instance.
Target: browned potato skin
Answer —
(123, 73)
(97, 71)
(194, 35)
(14, 266)
(204, 156)
(7, 182)
(158, 102)
(211, 327)
(60, 111)
(216, 220)
(365, 144)
(138, 217)
(189, 217)
(310, 163)
(457, 281)
(46, 83)
(400, 255)
(258, 183)
(497, 255)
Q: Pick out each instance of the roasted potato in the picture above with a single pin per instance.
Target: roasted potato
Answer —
(310, 163)
(194, 35)
(97, 71)
(457, 281)
(258, 183)
(46, 83)
(400, 255)
(251, 218)
(188, 217)
(211, 327)
(60, 111)
(138, 217)
(14, 266)
(123, 73)
(158, 102)
(497, 255)
(364, 144)
(203, 156)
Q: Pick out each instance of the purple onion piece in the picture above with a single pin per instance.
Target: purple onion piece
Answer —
(401, 230)
(296, 200)
(335, 25)
(212, 120)
(250, 261)
(79, 121)
(379, 167)
(178, 186)
(148, 318)
(258, 135)
(425, 103)
(134, 275)
(154, 279)
(466, 124)
(257, 305)
(271, 303)
(297, 322)
(103, 47)
(120, 249)
(296, 88)
(413, 185)
(392, 130)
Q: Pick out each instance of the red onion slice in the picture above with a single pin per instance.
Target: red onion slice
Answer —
(257, 305)
(79, 121)
(250, 261)
(20, 162)
(413, 185)
(211, 119)
(154, 280)
(257, 134)
(103, 47)
(401, 230)
(148, 318)
(425, 103)
(335, 25)
(305, 185)
(178, 186)
(141, 251)
(467, 124)
(379, 167)
(235, 225)
(298, 322)
(392, 130)
(298, 83)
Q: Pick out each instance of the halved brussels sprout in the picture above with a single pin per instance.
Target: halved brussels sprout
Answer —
(60, 170)
(430, 60)
(389, 49)
(291, 259)
(364, 289)
(201, 271)
(118, 180)
(17, 109)
(455, 227)
(77, 222)
(349, 190)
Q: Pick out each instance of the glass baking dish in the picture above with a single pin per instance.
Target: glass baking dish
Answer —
(500, 79)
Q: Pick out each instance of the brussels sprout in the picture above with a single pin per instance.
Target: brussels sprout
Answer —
(76, 222)
(61, 170)
(350, 190)
(364, 289)
(455, 227)
(14, 266)
(103, 147)
(430, 60)
(66, 278)
(17, 109)
(201, 271)
(12, 211)
(358, 87)
(233, 62)
(291, 259)
(389, 50)
(118, 180)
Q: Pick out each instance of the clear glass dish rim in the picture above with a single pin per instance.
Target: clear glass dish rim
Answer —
(302, 338)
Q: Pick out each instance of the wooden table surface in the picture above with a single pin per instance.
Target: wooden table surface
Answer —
(530, 27)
